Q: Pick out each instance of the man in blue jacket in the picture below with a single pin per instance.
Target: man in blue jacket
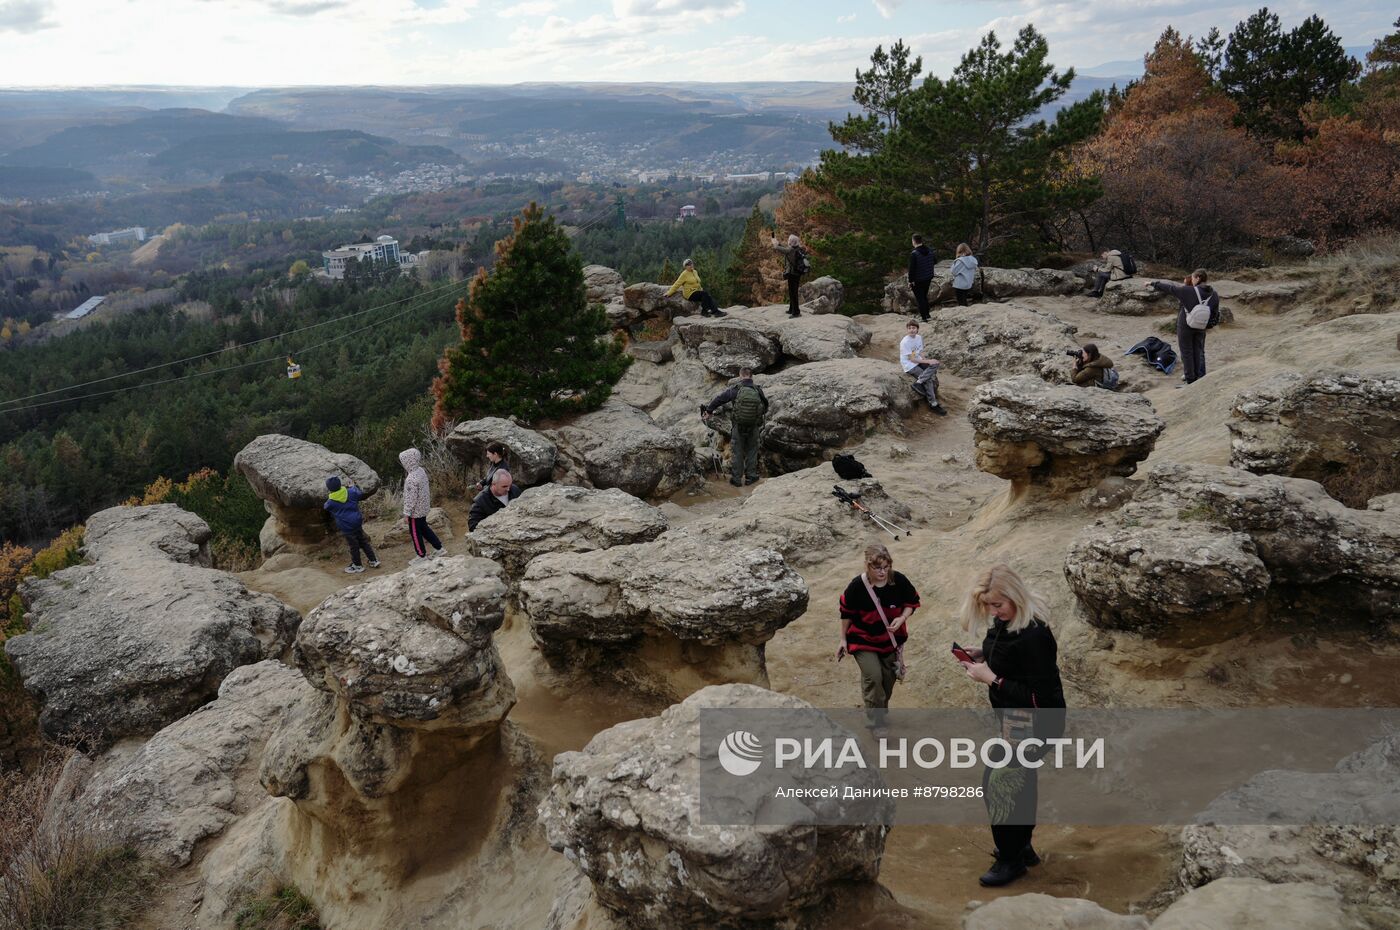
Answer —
(344, 505)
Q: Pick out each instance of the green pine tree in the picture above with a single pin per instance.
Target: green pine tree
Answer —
(879, 92)
(746, 281)
(531, 345)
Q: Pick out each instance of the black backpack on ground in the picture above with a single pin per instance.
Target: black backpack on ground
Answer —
(848, 468)
(1129, 266)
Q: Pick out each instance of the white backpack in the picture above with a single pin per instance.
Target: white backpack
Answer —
(1198, 317)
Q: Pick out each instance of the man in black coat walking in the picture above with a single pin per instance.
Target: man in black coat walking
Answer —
(921, 264)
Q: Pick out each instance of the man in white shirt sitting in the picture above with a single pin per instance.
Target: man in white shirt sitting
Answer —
(923, 370)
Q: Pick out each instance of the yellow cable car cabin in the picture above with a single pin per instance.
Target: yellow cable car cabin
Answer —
(293, 369)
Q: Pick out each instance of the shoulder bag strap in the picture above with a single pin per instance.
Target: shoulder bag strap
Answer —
(889, 630)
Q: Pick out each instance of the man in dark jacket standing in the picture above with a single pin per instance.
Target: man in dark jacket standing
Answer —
(921, 274)
(494, 499)
(749, 407)
(1191, 291)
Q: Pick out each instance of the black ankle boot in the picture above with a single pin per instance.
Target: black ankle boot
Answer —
(1029, 857)
(1002, 873)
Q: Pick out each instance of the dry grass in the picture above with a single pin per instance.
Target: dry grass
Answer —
(386, 504)
(285, 909)
(446, 474)
(57, 873)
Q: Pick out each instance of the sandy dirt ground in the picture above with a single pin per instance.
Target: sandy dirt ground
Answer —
(963, 521)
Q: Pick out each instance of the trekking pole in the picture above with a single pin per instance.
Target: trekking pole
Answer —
(891, 523)
(847, 497)
(891, 528)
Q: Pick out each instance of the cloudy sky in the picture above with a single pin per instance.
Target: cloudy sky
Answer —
(286, 42)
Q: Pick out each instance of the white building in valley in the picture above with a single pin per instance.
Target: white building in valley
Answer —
(382, 251)
(130, 234)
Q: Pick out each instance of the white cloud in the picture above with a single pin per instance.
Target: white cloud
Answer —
(887, 7)
(25, 16)
(706, 10)
(528, 8)
(848, 18)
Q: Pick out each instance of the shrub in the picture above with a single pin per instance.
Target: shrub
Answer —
(285, 909)
(234, 513)
(56, 872)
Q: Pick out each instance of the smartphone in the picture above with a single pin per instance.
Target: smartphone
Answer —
(961, 655)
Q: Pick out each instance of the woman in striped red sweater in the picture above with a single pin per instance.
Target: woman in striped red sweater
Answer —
(874, 610)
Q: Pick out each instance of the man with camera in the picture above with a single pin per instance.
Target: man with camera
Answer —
(749, 406)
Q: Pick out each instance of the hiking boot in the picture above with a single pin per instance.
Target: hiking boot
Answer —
(736, 482)
(354, 569)
(1028, 855)
(373, 563)
(939, 409)
(751, 479)
(719, 313)
(1002, 873)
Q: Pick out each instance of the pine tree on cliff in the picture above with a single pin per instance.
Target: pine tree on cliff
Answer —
(746, 269)
(531, 347)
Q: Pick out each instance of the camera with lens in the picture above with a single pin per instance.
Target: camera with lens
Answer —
(1073, 353)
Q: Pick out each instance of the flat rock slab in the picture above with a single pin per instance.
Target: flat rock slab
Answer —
(530, 455)
(824, 406)
(142, 635)
(620, 446)
(1000, 340)
(292, 472)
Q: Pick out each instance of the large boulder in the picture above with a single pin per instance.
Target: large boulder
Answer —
(646, 300)
(530, 456)
(290, 476)
(998, 340)
(664, 617)
(818, 408)
(1060, 438)
(563, 518)
(1340, 429)
(1246, 903)
(1046, 912)
(144, 633)
(602, 285)
(625, 811)
(1202, 551)
(765, 337)
(619, 446)
(190, 780)
(992, 283)
(822, 295)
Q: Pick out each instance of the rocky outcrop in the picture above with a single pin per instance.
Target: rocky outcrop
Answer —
(822, 295)
(646, 300)
(190, 780)
(144, 633)
(1047, 912)
(290, 476)
(1353, 847)
(530, 455)
(824, 406)
(992, 283)
(619, 446)
(625, 811)
(602, 285)
(562, 518)
(998, 340)
(1340, 429)
(766, 337)
(1249, 902)
(1059, 438)
(664, 617)
(1203, 551)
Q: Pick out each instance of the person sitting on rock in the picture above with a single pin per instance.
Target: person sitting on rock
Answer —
(417, 501)
(1110, 270)
(343, 502)
(964, 273)
(795, 265)
(1090, 367)
(1018, 664)
(496, 453)
(749, 406)
(689, 286)
(923, 370)
(874, 611)
(494, 499)
(921, 264)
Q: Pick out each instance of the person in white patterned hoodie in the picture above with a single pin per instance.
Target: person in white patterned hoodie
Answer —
(416, 501)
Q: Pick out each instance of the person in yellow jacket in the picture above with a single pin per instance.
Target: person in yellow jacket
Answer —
(689, 286)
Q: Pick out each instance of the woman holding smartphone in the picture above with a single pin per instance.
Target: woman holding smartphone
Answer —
(1018, 664)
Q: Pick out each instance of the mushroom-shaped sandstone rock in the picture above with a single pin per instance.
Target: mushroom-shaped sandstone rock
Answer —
(619, 446)
(602, 284)
(1341, 429)
(1059, 438)
(626, 811)
(665, 617)
(290, 476)
(1202, 549)
(144, 633)
(990, 341)
(530, 456)
(822, 295)
(564, 518)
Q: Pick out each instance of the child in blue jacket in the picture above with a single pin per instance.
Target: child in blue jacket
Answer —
(344, 505)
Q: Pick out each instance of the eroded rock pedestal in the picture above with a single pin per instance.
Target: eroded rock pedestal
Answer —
(1341, 429)
(1060, 439)
(143, 633)
(290, 476)
(625, 811)
(530, 456)
(620, 446)
(665, 617)
(1202, 551)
